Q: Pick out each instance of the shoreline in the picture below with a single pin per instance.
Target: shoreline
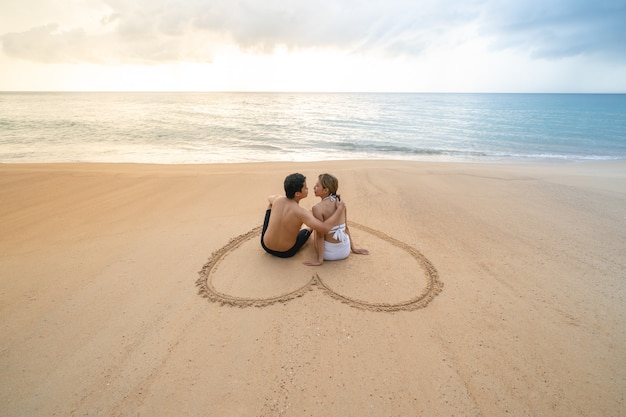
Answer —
(513, 162)
(527, 160)
(99, 263)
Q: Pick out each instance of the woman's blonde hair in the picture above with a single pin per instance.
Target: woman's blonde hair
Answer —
(331, 183)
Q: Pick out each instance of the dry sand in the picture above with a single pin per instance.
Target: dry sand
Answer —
(490, 290)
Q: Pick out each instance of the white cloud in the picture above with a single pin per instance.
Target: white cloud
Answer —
(135, 30)
(428, 45)
(558, 28)
(157, 30)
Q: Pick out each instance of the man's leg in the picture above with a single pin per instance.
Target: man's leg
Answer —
(303, 236)
(266, 222)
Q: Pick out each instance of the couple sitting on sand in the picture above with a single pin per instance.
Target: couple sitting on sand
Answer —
(282, 235)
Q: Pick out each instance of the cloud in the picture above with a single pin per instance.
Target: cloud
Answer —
(156, 31)
(558, 28)
(48, 44)
(37, 44)
(191, 29)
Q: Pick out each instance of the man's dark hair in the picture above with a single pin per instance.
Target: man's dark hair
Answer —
(293, 184)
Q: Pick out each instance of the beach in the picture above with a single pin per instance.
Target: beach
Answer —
(490, 289)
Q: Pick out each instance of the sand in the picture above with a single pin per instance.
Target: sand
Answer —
(141, 290)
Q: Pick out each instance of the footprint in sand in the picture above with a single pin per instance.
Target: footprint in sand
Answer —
(395, 276)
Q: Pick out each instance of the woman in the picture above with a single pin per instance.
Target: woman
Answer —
(337, 243)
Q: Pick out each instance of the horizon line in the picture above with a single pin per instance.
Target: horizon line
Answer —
(307, 92)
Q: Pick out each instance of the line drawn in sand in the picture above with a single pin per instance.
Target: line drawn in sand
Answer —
(432, 288)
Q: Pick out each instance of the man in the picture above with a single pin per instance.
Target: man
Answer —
(282, 235)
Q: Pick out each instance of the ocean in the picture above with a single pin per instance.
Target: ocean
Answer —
(194, 128)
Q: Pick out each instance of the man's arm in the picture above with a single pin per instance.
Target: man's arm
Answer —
(322, 227)
(271, 199)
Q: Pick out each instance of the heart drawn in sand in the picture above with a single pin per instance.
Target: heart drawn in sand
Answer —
(423, 272)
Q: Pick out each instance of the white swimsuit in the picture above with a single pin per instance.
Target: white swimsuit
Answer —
(339, 250)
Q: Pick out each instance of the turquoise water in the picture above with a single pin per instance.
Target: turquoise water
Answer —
(245, 127)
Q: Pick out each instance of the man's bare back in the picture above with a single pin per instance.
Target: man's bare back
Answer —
(285, 222)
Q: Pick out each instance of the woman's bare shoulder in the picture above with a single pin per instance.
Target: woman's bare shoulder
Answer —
(324, 209)
(317, 208)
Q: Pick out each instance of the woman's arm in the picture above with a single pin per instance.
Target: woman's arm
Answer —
(319, 240)
(359, 251)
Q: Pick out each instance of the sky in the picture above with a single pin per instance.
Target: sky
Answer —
(570, 46)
